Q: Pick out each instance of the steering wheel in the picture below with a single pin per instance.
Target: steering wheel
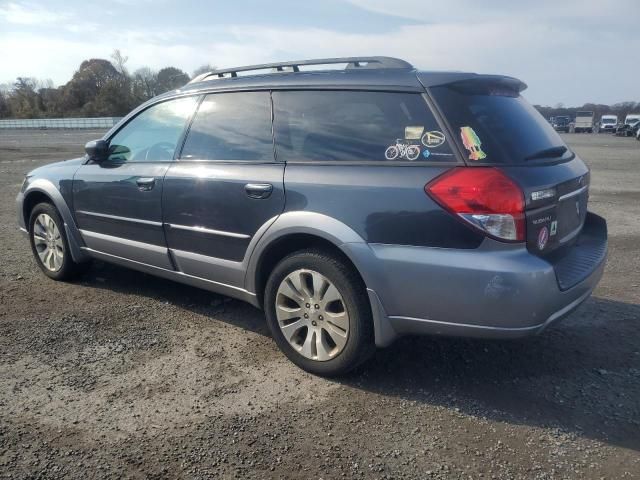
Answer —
(160, 151)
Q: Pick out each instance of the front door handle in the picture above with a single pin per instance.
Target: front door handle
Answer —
(145, 183)
(258, 190)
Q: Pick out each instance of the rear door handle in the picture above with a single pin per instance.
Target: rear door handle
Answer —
(145, 183)
(258, 190)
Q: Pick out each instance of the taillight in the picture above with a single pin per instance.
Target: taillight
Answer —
(484, 197)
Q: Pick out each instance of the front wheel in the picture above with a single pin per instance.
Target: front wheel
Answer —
(50, 245)
(413, 152)
(318, 313)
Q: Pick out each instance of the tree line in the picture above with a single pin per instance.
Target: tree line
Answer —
(99, 88)
(106, 88)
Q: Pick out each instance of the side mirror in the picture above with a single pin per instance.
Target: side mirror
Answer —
(97, 150)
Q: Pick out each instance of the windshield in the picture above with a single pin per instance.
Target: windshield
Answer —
(608, 120)
(498, 128)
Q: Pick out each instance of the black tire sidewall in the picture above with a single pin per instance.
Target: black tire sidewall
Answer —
(68, 265)
(360, 341)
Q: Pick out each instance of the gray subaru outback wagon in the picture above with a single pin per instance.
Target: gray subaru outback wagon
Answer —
(354, 204)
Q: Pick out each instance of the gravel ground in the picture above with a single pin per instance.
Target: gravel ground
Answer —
(122, 375)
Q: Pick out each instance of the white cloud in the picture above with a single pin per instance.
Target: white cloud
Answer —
(564, 52)
(29, 14)
(474, 11)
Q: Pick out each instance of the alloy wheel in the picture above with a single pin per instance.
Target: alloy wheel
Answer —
(312, 315)
(48, 242)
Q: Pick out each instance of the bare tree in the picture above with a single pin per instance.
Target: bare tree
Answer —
(145, 84)
(119, 61)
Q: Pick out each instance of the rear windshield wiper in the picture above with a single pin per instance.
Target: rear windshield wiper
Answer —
(552, 152)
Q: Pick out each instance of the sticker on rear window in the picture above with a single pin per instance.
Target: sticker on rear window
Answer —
(413, 133)
(472, 142)
(432, 139)
(402, 149)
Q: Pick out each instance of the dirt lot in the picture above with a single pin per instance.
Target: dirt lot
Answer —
(124, 375)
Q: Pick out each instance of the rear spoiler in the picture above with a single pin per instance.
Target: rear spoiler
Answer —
(470, 81)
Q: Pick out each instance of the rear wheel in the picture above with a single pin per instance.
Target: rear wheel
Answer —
(391, 153)
(318, 313)
(50, 245)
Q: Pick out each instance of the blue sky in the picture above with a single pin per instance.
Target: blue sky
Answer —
(563, 50)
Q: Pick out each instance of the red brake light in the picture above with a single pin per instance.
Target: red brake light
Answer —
(484, 197)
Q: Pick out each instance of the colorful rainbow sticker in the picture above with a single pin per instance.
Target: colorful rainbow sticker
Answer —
(472, 142)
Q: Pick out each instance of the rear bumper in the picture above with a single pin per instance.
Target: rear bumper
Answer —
(495, 291)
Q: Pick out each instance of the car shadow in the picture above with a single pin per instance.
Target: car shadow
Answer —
(582, 376)
(123, 280)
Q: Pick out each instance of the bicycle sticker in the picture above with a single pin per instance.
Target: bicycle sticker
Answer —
(433, 139)
(472, 142)
(402, 149)
(413, 133)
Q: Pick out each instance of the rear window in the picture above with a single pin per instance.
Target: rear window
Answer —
(498, 126)
(357, 126)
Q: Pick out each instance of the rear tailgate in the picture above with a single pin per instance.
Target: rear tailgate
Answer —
(495, 126)
(556, 199)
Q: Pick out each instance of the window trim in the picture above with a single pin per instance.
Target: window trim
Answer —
(455, 162)
(178, 156)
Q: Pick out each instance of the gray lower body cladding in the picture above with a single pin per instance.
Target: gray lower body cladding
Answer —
(495, 291)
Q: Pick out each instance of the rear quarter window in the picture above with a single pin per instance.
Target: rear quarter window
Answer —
(357, 126)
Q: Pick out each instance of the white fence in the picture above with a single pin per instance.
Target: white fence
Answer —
(44, 123)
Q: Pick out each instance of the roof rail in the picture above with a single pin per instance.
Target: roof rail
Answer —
(352, 63)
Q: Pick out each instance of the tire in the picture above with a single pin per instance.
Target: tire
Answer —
(325, 342)
(59, 265)
(391, 153)
(413, 152)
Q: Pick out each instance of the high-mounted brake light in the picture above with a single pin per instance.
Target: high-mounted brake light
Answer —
(485, 198)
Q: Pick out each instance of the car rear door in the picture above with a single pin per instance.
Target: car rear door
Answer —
(117, 201)
(225, 186)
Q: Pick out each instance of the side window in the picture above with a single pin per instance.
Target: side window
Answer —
(153, 135)
(231, 126)
(357, 126)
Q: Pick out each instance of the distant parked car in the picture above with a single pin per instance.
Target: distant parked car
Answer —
(629, 127)
(561, 124)
(608, 123)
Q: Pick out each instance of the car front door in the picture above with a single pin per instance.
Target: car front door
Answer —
(117, 201)
(224, 187)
